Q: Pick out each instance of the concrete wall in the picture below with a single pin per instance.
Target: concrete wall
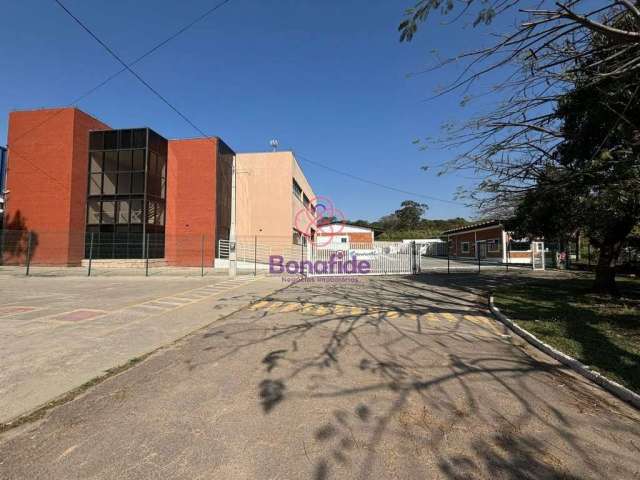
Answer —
(266, 205)
(302, 218)
(47, 176)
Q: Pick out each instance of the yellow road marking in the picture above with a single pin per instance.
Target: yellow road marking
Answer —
(448, 316)
(357, 311)
(259, 305)
(291, 307)
(340, 309)
(392, 314)
(274, 305)
(321, 310)
(430, 317)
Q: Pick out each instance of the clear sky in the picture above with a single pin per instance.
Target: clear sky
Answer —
(327, 79)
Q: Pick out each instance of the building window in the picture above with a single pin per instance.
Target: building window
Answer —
(297, 191)
(297, 237)
(464, 247)
(493, 245)
(343, 240)
(126, 193)
(305, 201)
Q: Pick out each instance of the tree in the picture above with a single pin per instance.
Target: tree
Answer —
(410, 214)
(509, 145)
(566, 123)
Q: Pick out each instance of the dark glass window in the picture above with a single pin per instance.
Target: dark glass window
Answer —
(96, 141)
(125, 139)
(96, 162)
(95, 184)
(109, 183)
(124, 183)
(137, 183)
(125, 160)
(138, 160)
(126, 194)
(110, 139)
(139, 138)
(110, 161)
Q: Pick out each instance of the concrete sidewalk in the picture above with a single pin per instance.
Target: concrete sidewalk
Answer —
(57, 334)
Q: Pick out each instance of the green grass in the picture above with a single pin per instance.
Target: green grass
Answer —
(601, 332)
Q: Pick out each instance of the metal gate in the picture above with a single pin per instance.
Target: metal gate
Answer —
(372, 258)
(537, 256)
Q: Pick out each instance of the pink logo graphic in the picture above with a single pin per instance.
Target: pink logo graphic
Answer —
(320, 224)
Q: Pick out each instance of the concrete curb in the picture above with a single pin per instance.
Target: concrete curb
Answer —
(613, 387)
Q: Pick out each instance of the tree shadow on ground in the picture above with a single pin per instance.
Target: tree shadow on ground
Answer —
(402, 393)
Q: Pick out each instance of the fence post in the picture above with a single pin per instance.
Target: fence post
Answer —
(146, 258)
(448, 259)
(255, 255)
(28, 252)
(508, 253)
(202, 256)
(302, 257)
(90, 255)
(2, 234)
(478, 254)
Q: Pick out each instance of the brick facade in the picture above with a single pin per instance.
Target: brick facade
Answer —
(472, 237)
(48, 176)
(47, 179)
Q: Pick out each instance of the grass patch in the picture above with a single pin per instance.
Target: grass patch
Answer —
(600, 331)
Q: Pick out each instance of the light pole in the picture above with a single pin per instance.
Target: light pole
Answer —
(232, 228)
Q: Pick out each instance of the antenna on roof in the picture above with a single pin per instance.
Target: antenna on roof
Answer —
(274, 144)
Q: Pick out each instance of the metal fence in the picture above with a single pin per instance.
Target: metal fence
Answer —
(436, 257)
(582, 255)
(79, 253)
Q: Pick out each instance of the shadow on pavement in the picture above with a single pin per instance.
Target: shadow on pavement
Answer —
(456, 398)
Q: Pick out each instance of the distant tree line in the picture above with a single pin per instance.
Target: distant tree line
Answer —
(406, 222)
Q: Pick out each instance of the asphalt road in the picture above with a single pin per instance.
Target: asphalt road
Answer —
(386, 378)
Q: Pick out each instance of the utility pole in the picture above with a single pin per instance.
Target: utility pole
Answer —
(232, 228)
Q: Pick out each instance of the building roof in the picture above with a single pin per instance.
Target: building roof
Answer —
(326, 226)
(473, 226)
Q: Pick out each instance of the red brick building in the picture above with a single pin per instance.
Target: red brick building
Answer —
(77, 185)
(486, 240)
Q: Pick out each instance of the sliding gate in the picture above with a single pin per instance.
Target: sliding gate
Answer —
(373, 258)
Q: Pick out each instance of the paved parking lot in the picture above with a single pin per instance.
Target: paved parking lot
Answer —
(57, 333)
(405, 378)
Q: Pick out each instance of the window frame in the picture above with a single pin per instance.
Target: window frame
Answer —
(463, 249)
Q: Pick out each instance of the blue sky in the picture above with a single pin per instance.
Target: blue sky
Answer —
(327, 79)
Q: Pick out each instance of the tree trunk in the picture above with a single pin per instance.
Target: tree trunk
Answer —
(605, 281)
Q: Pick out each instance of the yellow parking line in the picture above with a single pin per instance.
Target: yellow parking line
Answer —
(274, 306)
(448, 316)
(321, 310)
(357, 311)
(410, 316)
(430, 317)
(291, 307)
(392, 314)
(259, 305)
(340, 309)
